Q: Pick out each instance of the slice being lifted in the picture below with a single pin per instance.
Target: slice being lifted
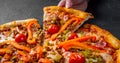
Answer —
(93, 44)
(20, 41)
(59, 21)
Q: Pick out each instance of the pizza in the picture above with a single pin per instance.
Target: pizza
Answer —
(89, 44)
(57, 23)
(57, 19)
(62, 39)
(92, 44)
(20, 41)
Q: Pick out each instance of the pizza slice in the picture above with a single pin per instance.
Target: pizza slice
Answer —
(20, 41)
(58, 21)
(90, 44)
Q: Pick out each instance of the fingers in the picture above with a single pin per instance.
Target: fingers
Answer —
(66, 3)
(69, 3)
(76, 4)
(62, 3)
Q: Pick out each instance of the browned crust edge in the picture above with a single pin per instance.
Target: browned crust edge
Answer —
(78, 13)
(117, 54)
(16, 22)
(109, 37)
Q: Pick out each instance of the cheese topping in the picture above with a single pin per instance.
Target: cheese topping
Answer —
(108, 58)
(4, 38)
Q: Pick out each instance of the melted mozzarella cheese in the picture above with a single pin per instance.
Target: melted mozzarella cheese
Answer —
(2, 38)
(54, 44)
(66, 56)
(108, 58)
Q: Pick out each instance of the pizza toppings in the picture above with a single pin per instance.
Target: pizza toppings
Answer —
(83, 47)
(53, 37)
(54, 55)
(34, 24)
(39, 51)
(80, 39)
(76, 58)
(4, 51)
(62, 43)
(23, 56)
(108, 58)
(72, 36)
(20, 38)
(79, 45)
(18, 45)
(53, 29)
(101, 45)
(42, 60)
(65, 19)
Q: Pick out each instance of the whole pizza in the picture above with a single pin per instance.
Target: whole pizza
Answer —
(64, 39)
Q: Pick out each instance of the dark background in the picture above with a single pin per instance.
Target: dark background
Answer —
(106, 12)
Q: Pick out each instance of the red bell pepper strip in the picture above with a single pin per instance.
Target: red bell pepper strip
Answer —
(31, 39)
(80, 45)
(80, 39)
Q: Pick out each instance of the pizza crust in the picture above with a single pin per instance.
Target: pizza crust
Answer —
(78, 13)
(111, 39)
(16, 22)
(117, 55)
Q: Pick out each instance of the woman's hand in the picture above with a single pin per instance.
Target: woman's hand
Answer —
(76, 4)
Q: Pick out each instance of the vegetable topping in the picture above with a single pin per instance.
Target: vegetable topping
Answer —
(53, 29)
(20, 38)
(76, 58)
(72, 36)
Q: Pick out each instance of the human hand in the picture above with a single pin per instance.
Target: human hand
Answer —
(76, 4)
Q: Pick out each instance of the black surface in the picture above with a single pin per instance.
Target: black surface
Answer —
(106, 12)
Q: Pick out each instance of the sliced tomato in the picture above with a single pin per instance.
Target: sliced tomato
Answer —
(20, 38)
(76, 58)
(53, 29)
(72, 36)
